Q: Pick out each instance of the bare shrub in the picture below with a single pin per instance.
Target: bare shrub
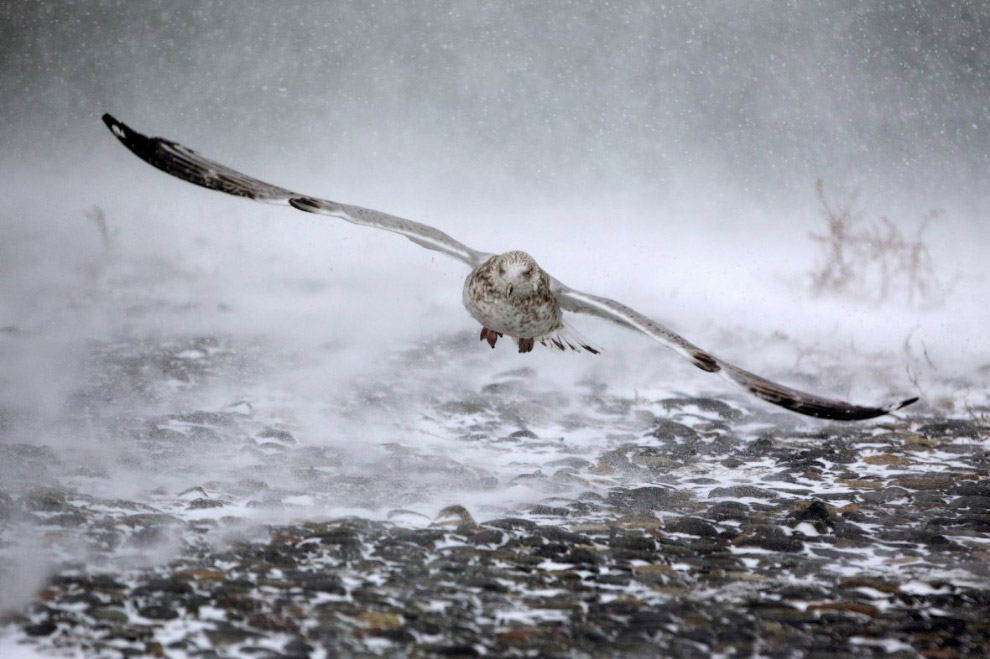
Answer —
(874, 259)
(837, 271)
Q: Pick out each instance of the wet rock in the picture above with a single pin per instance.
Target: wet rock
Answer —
(889, 460)
(511, 523)
(549, 511)
(721, 408)
(158, 612)
(767, 537)
(172, 586)
(772, 543)
(223, 633)
(426, 538)
(802, 592)
(112, 615)
(693, 526)
(321, 583)
(724, 510)
(666, 429)
(971, 502)
(72, 518)
(759, 447)
(572, 462)
(874, 583)
(655, 459)
(561, 535)
(585, 508)
(979, 488)
(204, 504)
(282, 436)
(926, 481)
(741, 492)
(44, 628)
(931, 539)
(486, 537)
(96, 582)
(485, 582)
(454, 516)
(950, 428)
(927, 501)
(271, 622)
(620, 579)
(582, 556)
(814, 511)
(297, 647)
(454, 651)
(885, 495)
(45, 499)
(828, 450)
(846, 607)
(632, 542)
(648, 498)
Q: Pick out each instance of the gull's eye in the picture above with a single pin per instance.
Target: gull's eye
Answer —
(501, 270)
(528, 272)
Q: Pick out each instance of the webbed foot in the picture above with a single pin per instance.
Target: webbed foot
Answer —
(490, 335)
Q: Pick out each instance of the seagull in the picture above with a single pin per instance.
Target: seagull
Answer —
(508, 294)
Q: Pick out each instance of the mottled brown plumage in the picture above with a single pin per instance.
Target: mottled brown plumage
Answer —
(507, 293)
(510, 294)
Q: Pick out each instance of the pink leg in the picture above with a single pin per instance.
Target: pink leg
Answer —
(490, 335)
(526, 345)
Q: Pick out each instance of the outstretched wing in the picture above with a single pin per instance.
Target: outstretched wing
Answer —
(186, 164)
(778, 394)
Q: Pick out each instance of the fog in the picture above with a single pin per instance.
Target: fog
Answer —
(665, 156)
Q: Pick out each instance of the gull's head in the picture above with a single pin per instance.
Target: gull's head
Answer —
(516, 273)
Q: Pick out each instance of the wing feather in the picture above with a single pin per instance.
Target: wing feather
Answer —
(772, 392)
(184, 163)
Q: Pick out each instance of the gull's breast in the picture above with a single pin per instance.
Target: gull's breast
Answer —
(527, 316)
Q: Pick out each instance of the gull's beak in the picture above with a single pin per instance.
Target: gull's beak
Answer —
(508, 290)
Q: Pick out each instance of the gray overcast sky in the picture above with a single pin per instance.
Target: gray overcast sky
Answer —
(549, 96)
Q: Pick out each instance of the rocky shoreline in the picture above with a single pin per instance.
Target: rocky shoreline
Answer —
(675, 526)
(650, 571)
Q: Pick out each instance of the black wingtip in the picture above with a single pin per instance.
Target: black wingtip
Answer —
(111, 122)
(119, 129)
(904, 403)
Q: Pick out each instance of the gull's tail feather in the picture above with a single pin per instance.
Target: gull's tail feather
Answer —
(567, 338)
